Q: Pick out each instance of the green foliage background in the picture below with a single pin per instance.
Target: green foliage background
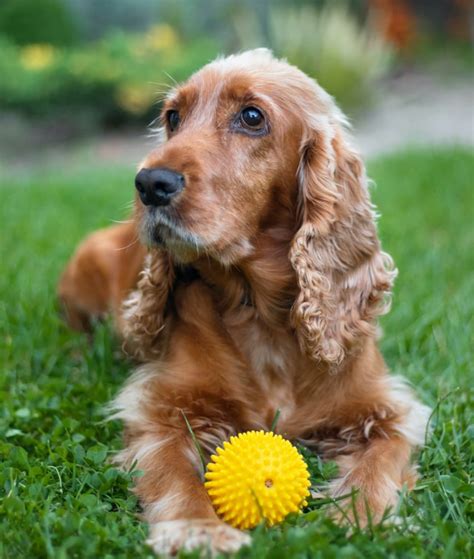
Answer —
(112, 74)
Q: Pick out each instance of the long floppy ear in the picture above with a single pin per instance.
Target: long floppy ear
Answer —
(144, 310)
(344, 278)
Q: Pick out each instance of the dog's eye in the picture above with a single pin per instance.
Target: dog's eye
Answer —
(252, 118)
(173, 120)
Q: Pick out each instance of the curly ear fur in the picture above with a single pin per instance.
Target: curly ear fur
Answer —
(344, 278)
(144, 310)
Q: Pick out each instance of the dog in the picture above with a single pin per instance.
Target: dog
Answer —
(256, 287)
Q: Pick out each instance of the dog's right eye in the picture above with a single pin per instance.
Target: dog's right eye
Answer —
(252, 118)
(173, 120)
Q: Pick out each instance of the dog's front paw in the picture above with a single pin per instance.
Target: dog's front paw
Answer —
(364, 503)
(169, 537)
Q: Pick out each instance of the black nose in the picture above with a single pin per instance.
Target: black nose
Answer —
(157, 187)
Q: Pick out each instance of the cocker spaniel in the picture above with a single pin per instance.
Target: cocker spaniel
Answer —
(258, 290)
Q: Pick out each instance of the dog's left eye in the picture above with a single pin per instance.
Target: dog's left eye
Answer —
(173, 120)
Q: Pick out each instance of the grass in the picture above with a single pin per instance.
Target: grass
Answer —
(60, 498)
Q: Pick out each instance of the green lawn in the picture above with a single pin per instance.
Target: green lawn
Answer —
(60, 498)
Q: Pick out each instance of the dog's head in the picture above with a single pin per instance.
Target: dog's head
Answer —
(233, 135)
(246, 137)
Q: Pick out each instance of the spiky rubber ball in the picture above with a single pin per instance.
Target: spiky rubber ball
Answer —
(257, 476)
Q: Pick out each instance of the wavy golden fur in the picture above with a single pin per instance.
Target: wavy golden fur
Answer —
(260, 291)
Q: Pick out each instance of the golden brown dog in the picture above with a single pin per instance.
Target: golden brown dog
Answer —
(260, 292)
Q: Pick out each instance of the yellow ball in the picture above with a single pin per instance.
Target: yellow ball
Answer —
(257, 476)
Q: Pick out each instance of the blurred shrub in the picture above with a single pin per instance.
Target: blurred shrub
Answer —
(97, 18)
(331, 46)
(37, 21)
(118, 78)
(328, 43)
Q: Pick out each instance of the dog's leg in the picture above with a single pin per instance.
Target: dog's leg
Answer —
(373, 476)
(102, 271)
(160, 445)
(374, 463)
(174, 499)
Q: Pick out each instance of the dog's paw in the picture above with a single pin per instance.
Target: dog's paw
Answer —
(169, 537)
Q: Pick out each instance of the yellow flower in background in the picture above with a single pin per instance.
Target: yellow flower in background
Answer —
(135, 99)
(37, 57)
(94, 67)
(161, 37)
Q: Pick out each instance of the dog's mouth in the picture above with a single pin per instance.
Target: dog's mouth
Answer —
(162, 227)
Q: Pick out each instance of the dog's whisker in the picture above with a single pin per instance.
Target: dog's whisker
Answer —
(170, 77)
(130, 245)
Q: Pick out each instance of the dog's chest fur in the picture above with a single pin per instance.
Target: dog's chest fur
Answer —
(272, 357)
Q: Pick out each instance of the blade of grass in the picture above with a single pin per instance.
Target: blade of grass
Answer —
(275, 420)
(195, 442)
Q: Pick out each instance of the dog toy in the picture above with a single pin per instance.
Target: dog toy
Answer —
(257, 476)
